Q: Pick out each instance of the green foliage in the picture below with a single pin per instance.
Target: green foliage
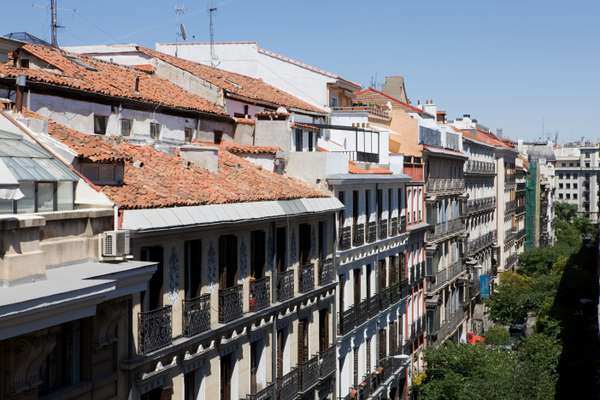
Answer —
(565, 211)
(509, 304)
(538, 360)
(497, 335)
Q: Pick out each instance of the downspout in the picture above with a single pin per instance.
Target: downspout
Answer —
(335, 298)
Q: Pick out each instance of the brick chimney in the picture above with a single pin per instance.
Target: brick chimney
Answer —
(441, 117)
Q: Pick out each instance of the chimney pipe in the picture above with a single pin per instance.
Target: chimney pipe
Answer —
(20, 83)
(137, 83)
(441, 117)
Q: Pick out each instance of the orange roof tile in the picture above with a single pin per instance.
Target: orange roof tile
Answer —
(238, 148)
(486, 138)
(147, 68)
(154, 179)
(103, 78)
(364, 95)
(243, 86)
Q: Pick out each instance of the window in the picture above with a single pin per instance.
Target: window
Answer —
(6, 206)
(155, 130)
(154, 253)
(45, 196)
(574, 186)
(218, 137)
(560, 185)
(228, 261)
(27, 203)
(304, 246)
(100, 123)
(193, 268)
(299, 144)
(568, 186)
(568, 196)
(24, 63)
(310, 141)
(587, 155)
(126, 125)
(281, 249)
(64, 196)
(574, 196)
(257, 254)
(587, 164)
(189, 134)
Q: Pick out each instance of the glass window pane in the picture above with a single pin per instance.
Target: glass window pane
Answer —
(27, 203)
(64, 196)
(6, 206)
(45, 197)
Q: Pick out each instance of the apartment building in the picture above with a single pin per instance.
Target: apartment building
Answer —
(66, 293)
(479, 252)
(522, 165)
(577, 177)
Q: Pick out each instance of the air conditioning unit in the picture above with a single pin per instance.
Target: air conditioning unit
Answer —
(115, 244)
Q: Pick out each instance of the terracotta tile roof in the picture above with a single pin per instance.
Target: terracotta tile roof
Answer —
(440, 150)
(245, 87)
(355, 168)
(103, 78)
(369, 93)
(154, 179)
(487, 138)
(147, 68)
(238, 148)
(245, 121)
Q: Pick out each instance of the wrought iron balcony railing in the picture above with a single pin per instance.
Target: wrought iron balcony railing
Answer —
(480, 167)
(196, 315)
(285, 285)
(230, 304)
(445, 185)
(479, 205)
(520, 234)
(362, 313)
(307, 277)
(345, 238)
(358, 235)
(288, 385)
(327, 365)
(371, 231)
(260, 293)
(520, 209)
(511, 260)
(346, 320)
(264, 394)
(447, 275)
(308, 374)
(445, 229)
(394, 226)
(480, 243)
(154, 329)
(383, 229)
(326, 272)
(511, 206)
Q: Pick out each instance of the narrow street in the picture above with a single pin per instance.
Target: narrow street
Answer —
(576, 306)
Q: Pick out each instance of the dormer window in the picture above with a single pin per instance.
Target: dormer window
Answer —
(103, 173)
(126, 125)
(189, 134)
(100, 124)
(24, 63)
(155, 130)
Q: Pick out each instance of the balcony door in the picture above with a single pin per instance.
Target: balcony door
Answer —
(382, 353)
(393, 270)
(322, 241)
(302, 340)
(369, 273)
(281, 341)
(193, 268)
(382, 274)
(281, 249)
(304, 243)
(356, 275)
(257, 254)
(228, 265)
(155, 286)
(226, 374)
(323, 330)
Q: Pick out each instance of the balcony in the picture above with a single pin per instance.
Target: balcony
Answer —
(230, 304)
(474, 288)
(440, 332)
(345, 238)
(288, 386)
(372, 111)
(308, 374)
(509, 235)
(360, 156)
(263, 394)
(445, 229)
(371, 231)
(445, 186)
(358, 235)
(384, 298)
(511, 260)
(511, 206)
(285, 285)
(307, 277)
(394, 226)
(327, 366)
(445, 276)
(326, 272)
(362, 312)
(480, 243)
(403, 224)
(346, 320)
(196, 315)
(480, 205)
(509, 180)
(383, 229)
(154, 329)
(474, 167)
(520, 234)
(260, 294)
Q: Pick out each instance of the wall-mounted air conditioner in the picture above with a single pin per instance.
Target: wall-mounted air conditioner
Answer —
(115, 244)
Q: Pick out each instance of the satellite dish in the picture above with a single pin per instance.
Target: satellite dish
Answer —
(182, 32)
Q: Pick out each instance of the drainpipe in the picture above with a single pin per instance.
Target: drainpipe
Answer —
(274, 342)
(21, 81)
(116, 222)
(336, 388)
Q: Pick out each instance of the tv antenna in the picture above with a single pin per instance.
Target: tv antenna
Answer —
(213, 58)
(180, 10)
(54, 23)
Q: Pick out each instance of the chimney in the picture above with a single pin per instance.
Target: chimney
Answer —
(204, 156)
(394, 86)
(137, 83)
(441, 117)
(21, 81)
(430, 108)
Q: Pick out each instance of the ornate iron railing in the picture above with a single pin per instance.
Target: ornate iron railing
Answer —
(384, 298)
(446, 275)
(445, 229)
(373, 306)
(154, 329)
(345, 238)
(511, 206)
(402, 224)
(383, 229)
(260, 293)
(307, 277)
(394, 228)
(480, 167)
(326, 272)
(346, 320)
(358, 235)
(288, 386)
(483, 204)
(327, 362)
(362, 313)
(264, 394)
(511, 260)
(309, 374)
(478, 244)
(285, 285)
(196, 315)
(371, 231)
(230, 304)
(445, 185)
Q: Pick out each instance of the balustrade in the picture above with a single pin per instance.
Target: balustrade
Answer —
(260, 293)
(264, 394)
(196, 315)
(308, 373)
(445, 185)
(371, 231)
(445, 229)
(285, 285)
(483, 204)
(154, 329)
(288, 385)
(383, 229)
(326, 272)
(307, 277)
(230, 304)
(445, 276)
(345, 238)
(480, 167)
(358, 235)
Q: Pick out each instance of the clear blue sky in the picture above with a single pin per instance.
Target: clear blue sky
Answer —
(513, 64)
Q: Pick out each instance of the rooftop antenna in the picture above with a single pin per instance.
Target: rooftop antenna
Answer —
(54, 23)
(180, 10)
(213, 58)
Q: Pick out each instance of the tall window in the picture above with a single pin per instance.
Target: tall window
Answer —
(257, 254)
(281, 249)
(155, 286)
(154, 130)
(126, 125)
(189, 134)
(310, 141)
(100, 124)
(299, 144)
(193, 268)
(228, 265)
